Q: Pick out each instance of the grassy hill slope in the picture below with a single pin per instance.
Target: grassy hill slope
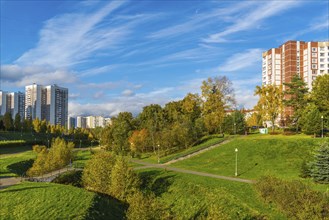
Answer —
(55, 201)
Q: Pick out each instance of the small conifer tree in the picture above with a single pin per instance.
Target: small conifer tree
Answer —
(320, 167)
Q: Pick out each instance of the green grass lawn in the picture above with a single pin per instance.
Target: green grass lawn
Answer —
(258, 155)
(188, 195)
(15, 164)
(152, 158)
(54, 201)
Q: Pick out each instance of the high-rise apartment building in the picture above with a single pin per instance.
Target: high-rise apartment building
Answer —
(12, 102)
(16, 104)
(307, 59)
(47, 102)
(81, 122)
(3, 102)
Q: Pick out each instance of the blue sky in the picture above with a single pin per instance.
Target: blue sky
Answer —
(122, 55)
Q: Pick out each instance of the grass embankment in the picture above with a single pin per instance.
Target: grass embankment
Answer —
(16, 164)
(189, 196)
(152, 158)
(258, 155)
(55, 201)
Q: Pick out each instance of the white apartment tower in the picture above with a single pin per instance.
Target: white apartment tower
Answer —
(16, 104)
(307, 59)
(3, 102)
(47, 102)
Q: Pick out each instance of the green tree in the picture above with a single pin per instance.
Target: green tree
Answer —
(320, 167)
(234, 123)
(145, 207)
(295, 97)
(319, 96)
(311, 120)
(122, 127)
(8, 121)
(18, 122)
(37, 125)
(97, 173)
(269, 105)
(39, 165)
(124, 181)
(217, 95)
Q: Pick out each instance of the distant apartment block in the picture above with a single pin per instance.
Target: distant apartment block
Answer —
(307, 59)
(47, 102)
(13, 102)
(71, 122)
(81, 122)
(3, 102)
(92, 121)
(16, 104)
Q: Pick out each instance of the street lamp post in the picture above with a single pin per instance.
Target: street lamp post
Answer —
(48, 142)
(158, 153)
(80, 143)
(322, 126)
(236, 161)
(21, 131)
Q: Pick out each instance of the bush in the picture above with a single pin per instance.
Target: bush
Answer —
(72, 178)
(294, 198)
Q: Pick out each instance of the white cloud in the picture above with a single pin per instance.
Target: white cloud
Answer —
(128, 92)
(252, 19)
(318, 24)
(200, 20)
(68, 39)
(132, 104)
(21, 76)
(242, 60)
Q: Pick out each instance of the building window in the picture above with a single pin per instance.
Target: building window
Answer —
(321, 54)
(321, 48)
(314, 66)
(322, 60)
(321, 65)
(314, 49)
(314, 60)
(315, 54)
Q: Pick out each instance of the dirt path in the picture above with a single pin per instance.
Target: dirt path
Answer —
(179, 170)
(197, 153)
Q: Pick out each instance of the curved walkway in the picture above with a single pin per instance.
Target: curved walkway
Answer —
(197, 152)
(179, 170)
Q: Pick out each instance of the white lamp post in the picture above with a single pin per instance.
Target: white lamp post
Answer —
(322, 126)
(236, 161)
(158, 153)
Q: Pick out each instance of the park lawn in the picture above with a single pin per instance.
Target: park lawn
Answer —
(16, 164)
(54, 201)
(188, 195)
(81, 158)
(258, 155)
(152, 158)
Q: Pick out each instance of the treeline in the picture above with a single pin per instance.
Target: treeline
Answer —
(296, 107)
(177, 125)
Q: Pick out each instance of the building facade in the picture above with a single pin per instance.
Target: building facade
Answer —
(3, 102)
(48, 103)
(16, 104)
(307, 59)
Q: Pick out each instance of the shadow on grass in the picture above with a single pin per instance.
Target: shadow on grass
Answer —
(14, 149)
(106, 207)
(248, 169)
(21, 167)
(155, 182)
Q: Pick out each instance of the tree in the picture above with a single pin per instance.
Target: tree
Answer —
(311, 120)
(269, 105)
(217, 95)
(97, 173)
(320, 167)
(124, 181)
(319, 96)
(122, 126)
(17, 122)
(145, 207)
(295, 97)
(37, 125)
(234, 123)
(254, 120)
(139, 141)
(8, 121)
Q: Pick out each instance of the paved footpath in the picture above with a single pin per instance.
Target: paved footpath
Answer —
(179, 170)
